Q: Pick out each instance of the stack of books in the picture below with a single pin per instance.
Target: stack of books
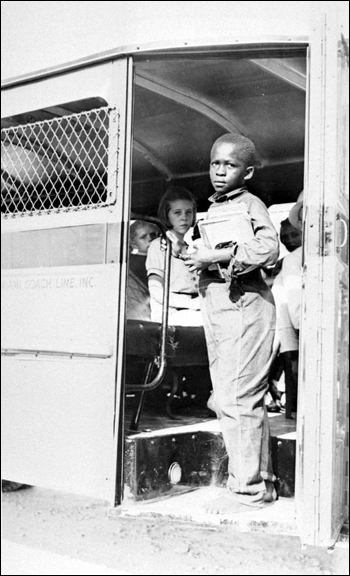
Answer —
(233, 225)
(224, 226)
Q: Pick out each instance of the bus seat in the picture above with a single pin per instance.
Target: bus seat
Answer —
(138, 299)
(185, 347)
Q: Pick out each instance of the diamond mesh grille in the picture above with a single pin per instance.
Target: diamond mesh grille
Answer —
(60, 164)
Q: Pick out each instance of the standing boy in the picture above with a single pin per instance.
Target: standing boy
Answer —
(239, 322)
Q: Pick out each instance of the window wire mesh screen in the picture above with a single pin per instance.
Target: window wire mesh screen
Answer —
(59, 165)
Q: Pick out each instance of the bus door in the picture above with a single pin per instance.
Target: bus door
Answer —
(323, 386)
(64, 198)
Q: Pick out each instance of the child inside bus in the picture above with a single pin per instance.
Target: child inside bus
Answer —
(291, 238)
(239, 321)
(177, 210)
(141, 235)
(138, 301)
(287, 293)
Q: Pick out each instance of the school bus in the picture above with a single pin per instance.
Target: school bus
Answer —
(89, 147)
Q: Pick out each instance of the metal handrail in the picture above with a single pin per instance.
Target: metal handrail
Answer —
(165, 310)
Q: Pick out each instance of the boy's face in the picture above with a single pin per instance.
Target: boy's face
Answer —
(143, 238)
(227, 170)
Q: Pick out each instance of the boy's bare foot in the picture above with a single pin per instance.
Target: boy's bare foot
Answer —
(227, 504)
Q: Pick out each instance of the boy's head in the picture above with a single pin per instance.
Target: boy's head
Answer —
(295, 215)
(290, 236)
(232, 161)
(173, 195)
(141, 235)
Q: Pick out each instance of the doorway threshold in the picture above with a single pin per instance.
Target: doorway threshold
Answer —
(189, 506)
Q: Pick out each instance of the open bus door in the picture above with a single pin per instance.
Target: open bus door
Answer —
(323, 386)
(65, 196)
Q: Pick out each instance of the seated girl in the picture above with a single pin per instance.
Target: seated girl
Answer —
(177, 210)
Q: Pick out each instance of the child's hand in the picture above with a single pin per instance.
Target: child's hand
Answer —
(177, 246)
(199, 259)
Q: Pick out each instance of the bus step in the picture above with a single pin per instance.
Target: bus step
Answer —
(155, 463)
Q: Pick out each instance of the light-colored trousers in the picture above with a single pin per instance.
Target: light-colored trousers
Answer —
(239, 337)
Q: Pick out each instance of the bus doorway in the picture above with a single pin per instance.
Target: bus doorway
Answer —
(182, 103)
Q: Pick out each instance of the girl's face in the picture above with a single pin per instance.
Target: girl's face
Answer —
(227, 169)
(180, 216)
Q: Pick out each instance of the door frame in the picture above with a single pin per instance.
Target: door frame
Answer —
(320, 469)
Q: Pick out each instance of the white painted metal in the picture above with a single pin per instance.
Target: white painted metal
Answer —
(60, 409)
(59, 89)
(57, 423)
(232, 37)
(45, 309)
(321, 435)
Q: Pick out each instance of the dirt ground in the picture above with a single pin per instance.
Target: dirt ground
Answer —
(56, 526)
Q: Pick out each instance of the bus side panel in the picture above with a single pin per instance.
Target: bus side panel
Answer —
(65, 196)
(63, 309)
(58, 341)
(57, 424)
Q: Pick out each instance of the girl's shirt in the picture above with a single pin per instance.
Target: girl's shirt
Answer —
(183, 283)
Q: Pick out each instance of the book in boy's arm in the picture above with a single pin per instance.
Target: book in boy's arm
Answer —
(232, 225)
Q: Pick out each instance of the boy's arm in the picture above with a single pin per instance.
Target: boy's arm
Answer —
(263, 249)
(260, 251)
